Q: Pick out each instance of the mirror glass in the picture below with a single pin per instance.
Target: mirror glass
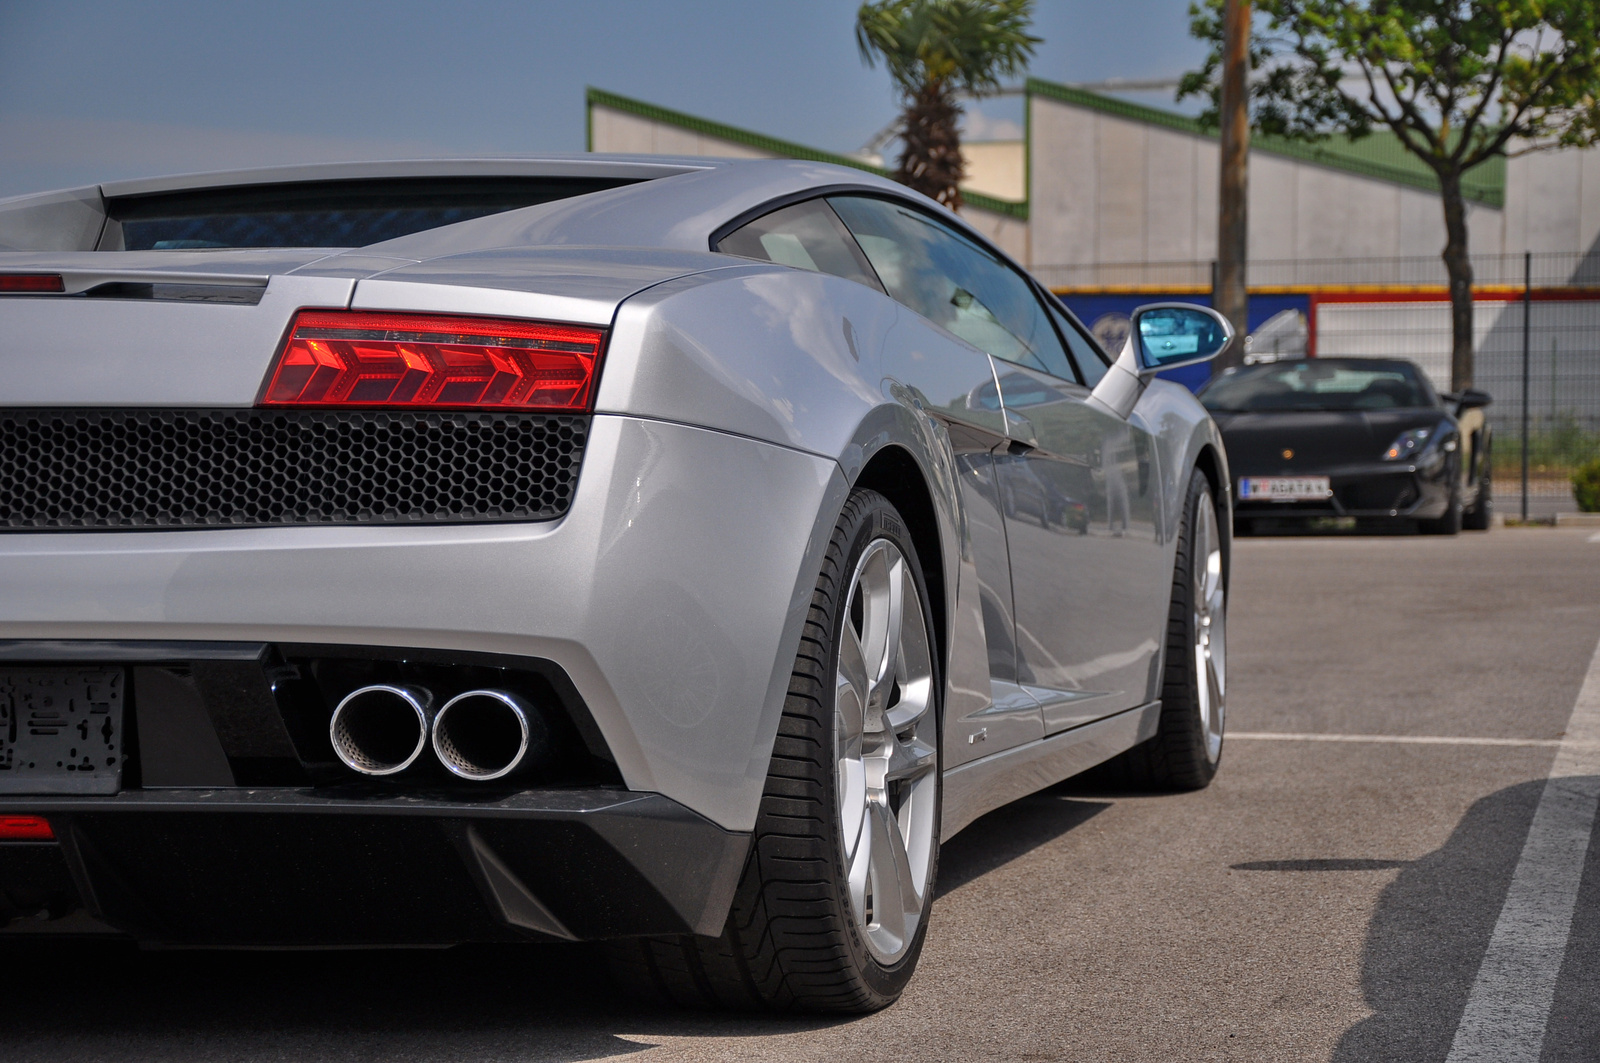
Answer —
(1173, 335)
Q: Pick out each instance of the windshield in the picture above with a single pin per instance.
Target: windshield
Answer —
(1318, 384)
(351, 213)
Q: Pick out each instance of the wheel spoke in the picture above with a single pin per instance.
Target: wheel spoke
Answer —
(897, 902)
(861, 861)
(914, 670)
(910, 760)
(850, 688)
(882, 674)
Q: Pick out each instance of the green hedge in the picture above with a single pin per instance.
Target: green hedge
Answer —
(1586, 486)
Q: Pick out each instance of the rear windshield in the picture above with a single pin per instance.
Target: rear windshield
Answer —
(324, 213)
(1318, 384)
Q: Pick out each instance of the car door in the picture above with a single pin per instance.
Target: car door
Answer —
(1079, 515)
(956, 385)
(1091, 585)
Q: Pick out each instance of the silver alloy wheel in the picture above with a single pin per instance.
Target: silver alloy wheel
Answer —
(886, 741)
(1210, 628)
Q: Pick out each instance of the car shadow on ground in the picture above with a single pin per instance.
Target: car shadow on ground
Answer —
(1326, 528)
(1009, 832)
(1432, 927)
(110, 1001)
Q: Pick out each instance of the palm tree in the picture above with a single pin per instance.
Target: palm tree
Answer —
(936, 50)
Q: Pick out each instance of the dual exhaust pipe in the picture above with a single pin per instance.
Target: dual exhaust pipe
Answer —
(481, 735)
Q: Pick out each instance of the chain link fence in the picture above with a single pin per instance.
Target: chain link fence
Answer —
(1550, 270)
(1536, 340)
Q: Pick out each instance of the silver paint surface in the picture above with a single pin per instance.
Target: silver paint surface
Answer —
(738, 402)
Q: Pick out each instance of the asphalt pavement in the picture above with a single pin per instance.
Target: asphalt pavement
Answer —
(1323, 900)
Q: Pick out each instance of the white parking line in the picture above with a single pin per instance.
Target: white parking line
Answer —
(1413, 740)
(1509, 1006)
(1595, 538)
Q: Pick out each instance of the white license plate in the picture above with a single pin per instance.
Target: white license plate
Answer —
(1284, 488)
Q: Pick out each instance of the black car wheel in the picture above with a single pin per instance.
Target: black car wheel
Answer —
(1187, 747)
(1449, 524)
(1481, 513)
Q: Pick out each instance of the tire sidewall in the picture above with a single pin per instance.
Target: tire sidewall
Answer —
(1198, 497)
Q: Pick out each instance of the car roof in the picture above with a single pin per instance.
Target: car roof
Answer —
(669, 202)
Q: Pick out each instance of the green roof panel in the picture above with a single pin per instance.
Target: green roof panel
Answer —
(1380, 155)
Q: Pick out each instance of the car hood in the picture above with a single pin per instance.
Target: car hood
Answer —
(1257, 442)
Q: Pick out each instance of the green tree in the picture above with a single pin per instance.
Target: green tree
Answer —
(935, 50)
(1457, 81)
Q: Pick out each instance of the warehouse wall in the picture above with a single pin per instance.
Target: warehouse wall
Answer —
(1110, 189)
(1553, 202)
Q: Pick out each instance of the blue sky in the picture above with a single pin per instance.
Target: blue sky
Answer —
(94, 91)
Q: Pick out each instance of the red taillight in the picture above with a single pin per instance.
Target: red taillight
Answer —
(31, 282)
(25, 829)
(354, 358)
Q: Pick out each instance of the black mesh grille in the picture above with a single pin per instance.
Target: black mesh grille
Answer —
(205, 468)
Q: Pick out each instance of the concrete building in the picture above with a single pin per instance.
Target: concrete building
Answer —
(1102, 191)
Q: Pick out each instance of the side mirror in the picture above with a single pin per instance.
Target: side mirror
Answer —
(1472, 399)
(1169, 335)
(1160, 336)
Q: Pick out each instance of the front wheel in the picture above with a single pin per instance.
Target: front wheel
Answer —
(1449, 524)
(1187, 747)
(833, 904)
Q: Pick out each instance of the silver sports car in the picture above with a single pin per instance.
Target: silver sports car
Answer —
(663, 552)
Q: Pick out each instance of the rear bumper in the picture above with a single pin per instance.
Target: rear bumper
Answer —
(288, 867)
(672, 594)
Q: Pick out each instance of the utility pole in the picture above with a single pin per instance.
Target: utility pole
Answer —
(1230, 298)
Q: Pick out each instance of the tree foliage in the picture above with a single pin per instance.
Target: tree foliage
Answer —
(1456, 81)
(936, 50)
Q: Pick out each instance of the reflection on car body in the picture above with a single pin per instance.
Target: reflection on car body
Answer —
(667, 553)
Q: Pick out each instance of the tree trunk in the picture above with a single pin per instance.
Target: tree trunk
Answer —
(930, 154)
(1458, 265)
(1231, 298)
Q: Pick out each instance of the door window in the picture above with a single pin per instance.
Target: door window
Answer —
(1086, 356)
(954, 283)
(806, 236)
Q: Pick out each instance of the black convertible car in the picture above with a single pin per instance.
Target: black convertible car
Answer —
(1352, 437)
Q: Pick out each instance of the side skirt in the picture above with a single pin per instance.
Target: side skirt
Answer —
(981, 786)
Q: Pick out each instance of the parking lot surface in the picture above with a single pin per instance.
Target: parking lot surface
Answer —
(1323, 900)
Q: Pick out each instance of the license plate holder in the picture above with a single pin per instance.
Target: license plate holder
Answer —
(61, 730)
(1284, 489)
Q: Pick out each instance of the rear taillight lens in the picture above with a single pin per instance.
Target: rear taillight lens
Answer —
(355, 358)
(24, 283)
(25, 829)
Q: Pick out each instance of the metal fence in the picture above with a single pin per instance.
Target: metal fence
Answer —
(1550, 270)
(1536, 342)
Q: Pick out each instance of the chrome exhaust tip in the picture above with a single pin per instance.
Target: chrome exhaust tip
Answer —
(382, 729)
(485, 734)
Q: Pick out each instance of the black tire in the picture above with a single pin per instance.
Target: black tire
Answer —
(1449, 524)
(1481, 516)
(790, 942)
(1179, 757)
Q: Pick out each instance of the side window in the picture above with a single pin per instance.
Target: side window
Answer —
(954, 283)
(806, 235)
(1085, 351)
